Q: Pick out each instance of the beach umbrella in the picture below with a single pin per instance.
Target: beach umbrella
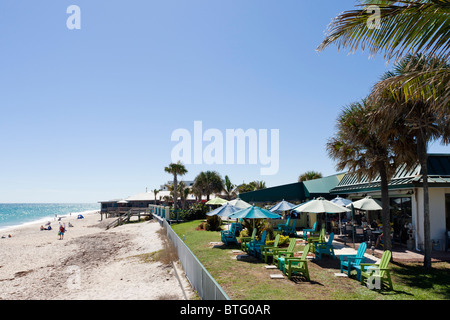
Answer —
(216, 201)
(341, 202)
(282, 206)
(254, 212)
(321, 205)
(224, 211)
(367, 204)
(238, 202)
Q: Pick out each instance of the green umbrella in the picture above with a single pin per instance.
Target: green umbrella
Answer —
(216, 201)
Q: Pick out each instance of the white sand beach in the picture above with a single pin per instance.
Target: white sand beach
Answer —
(90, 263)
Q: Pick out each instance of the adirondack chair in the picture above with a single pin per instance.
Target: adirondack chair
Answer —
(320, 238)
(284, 225)
(267, 251)
(297, 266)
(305, 231)
(379, 272)
(238, 225)
(254, 247)
(290, 229)
(280, 254)
(229, 236)
(325, 247)
(245, 240)
(350, 261)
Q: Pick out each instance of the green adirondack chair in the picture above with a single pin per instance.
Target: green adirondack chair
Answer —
(245, 240)
(325, 247)
(378, 272)
(281, 253)
(297, 266)
(313, 240)
(267, 251)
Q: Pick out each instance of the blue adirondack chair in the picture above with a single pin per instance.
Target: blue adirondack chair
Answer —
(282, 226)
(238, 225)
(350, 261)
(229, 236)
(305, 231)
(325, 247)
(254, 247)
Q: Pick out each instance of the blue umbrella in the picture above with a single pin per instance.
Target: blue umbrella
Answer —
(341, 201)
(224, 211)
(254, 212)
(282, 206)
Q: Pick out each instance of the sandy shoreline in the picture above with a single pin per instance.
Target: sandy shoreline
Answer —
(89, 263)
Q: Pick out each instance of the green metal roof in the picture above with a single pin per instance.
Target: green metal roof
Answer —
(438, 176)
(298, 191)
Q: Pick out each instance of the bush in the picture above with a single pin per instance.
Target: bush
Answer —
(213, 223)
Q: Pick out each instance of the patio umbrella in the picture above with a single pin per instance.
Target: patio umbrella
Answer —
(321, 205)
(367, 204)
(224, 211)
(254, 212)
(216, 201)
(238, 202)
(341, 202)
(282, 206)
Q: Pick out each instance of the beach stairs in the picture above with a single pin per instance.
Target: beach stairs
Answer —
(125, 217)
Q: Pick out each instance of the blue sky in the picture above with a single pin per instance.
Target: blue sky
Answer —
(87, 115)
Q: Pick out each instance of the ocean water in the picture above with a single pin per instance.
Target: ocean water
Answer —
(15, 214)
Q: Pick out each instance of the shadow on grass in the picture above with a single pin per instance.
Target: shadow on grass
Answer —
(415, 276)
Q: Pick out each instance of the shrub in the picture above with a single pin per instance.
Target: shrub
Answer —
(213, 223)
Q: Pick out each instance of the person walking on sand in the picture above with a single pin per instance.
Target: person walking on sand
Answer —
(61, 232)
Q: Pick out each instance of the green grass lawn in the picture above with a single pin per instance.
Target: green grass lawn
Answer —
(250, 280)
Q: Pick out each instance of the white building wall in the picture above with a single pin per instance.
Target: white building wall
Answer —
(437, 216)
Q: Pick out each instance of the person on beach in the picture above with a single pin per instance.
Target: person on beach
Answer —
(62, 229)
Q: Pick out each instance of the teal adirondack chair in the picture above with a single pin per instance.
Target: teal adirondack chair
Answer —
(238, 225)
(284, 225)
(325, 247)
(245, 240)
(350, 261)
(290, 229)
(280, 254)
(229, 236)
(254, 247)
(305, 231)
(297, 266)
(378, 272)
(267, 251)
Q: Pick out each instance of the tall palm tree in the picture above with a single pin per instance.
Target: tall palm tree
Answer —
(357, 146)
(229, 189)
(208, 182)
(423, 120)
(184, 192)
(176, 169)
(309, 175)
(155, 192)
(404, 26)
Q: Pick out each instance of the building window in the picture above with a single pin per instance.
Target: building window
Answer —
(401, 214)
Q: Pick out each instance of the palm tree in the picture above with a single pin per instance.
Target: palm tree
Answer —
(405, 26)
(155, 192)
(309, 175)
(358, 147)
(229, 189)
(423, 120)
(208, 182)
(259, 185)
(176, 169)
(184, 192)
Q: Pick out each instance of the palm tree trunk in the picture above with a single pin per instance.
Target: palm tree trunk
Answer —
(423, 159)
(385, 213)
(175, 196)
